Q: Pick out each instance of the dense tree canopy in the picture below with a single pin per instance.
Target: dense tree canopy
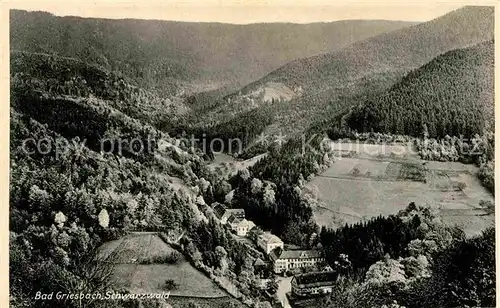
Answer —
(451, 95)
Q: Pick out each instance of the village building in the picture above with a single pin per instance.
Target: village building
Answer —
(313, 284)
(240, 226)
(268, 242)
(232, 220)
(223, 213)
(296, 259)
(260, 268)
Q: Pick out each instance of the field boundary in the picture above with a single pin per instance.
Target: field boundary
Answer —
(363, 178)
(337, 212)
(386, 160)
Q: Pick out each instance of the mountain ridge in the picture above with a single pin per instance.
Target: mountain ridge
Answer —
(175, 56)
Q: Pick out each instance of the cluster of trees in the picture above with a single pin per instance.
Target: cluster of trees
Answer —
(213, 249)
(171, 258)
(271, 190)
(487, 175)
(436, 267)
(108, 186)
(486, 162)
(235, 136)
(479, 150)
(367, 242)
(279, 209)
(213, 245)
(454, 148)
(63, 208)
(450, 96)
(347, 135)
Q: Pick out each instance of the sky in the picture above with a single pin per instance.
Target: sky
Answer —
(247, 11)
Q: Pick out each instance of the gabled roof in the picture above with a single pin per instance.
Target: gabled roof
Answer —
(316, 278)
(270, 238)
(237, 212)
(259, 262)
(219, 210)
(233, 219)
(300, 254)
(273, 255)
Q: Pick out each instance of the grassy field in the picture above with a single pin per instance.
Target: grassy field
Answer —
(230, 166)
(222, 302)
(137, 278)
(356, 189)
(376, 169)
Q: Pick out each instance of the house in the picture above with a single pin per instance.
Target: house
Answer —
(219, 209)
(262, 269)
(254, 233)
(312, 284)
(240, 227)
(259, 263)
(238, 213)
(268, 242)
(232, 221)
(296, 259)
(223, 213)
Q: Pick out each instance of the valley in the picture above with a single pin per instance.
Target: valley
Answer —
(337, 164)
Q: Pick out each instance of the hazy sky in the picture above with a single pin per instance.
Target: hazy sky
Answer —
(247, 11)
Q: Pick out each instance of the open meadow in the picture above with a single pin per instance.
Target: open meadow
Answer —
(369, 184)
(126, 252)
(220, 302)
(229, 166)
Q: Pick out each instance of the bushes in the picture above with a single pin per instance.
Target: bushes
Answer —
(170, 284)
(170, 258)
(487, 175)
(463, 275)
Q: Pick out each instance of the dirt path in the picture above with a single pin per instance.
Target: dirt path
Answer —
(284, 287)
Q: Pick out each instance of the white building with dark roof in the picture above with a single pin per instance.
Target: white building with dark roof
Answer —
(223, 213)
(241, 227)
(268, 242)
(295, 259)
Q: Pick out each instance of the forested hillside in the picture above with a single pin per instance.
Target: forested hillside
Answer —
(451, 95)
(397, 50)
(83, 171)
(304, 89)
(173, 57)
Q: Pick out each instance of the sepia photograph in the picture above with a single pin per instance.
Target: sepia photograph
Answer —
(262, 154)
